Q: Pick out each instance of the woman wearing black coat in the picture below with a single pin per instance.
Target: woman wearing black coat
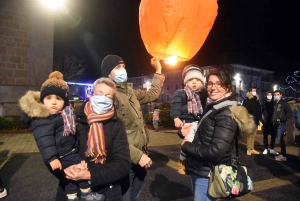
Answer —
(221, 121)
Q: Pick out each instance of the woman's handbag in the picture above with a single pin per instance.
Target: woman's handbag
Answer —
(229, 181)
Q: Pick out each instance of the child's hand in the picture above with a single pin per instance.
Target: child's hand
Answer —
(56, 164)
(178, 123)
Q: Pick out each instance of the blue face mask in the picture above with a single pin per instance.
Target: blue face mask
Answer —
(101, 104)
(276, 98)
(120, 76)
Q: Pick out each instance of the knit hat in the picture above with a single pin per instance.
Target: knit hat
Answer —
(55, 85)
(192, 71)
(109, 63)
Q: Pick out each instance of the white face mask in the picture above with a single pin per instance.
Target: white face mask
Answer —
(253, 93)
(101, 104)
(269, 97)
(120, 76)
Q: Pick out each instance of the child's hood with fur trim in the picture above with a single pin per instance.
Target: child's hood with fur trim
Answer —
(30, 104)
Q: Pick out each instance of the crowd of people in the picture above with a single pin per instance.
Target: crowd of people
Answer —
(100, 152)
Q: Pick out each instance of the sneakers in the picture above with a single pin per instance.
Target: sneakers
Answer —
(3, 193)
(74, 199)
(265, 151)
(280, 158)
(272, 151)
(252, 151)
(181, 166)
(91, 196)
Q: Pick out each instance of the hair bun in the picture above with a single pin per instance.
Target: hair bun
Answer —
(56, 74)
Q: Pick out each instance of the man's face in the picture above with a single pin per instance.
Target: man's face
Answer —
(278, 94)
(112, 74)
(253, 90)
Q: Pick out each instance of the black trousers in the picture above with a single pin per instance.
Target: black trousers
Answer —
(269, 129)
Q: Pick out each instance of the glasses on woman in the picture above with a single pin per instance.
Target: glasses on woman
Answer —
(217, 85)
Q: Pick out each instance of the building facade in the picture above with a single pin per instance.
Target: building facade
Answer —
(26, 50)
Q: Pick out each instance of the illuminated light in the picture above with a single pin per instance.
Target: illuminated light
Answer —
(53, 4)
(237, 77)
(171, 60)
(172, 27)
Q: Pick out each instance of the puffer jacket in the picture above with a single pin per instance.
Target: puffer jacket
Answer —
(128, 105)
(214, 138)
(47, 129)
(179, 106)
(252, 104)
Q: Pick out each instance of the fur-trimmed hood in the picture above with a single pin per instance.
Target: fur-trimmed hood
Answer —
(249, 95)
(245, 121)
(30, 104)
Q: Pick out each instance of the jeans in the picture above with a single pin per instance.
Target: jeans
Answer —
(137, 175)
(269, 129)
(280, 134)
(200, 188)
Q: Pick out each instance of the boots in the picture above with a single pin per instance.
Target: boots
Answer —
(252, 151)
(181, 166)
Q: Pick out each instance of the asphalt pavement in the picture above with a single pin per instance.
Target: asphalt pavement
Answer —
(27, 179)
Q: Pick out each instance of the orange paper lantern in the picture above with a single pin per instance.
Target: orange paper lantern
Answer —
(176, 27)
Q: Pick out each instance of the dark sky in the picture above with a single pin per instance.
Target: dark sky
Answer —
(259, 33)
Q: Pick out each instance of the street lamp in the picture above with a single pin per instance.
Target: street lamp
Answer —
(275, 87)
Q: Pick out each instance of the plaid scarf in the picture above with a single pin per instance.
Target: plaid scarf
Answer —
(69, 120)
(96, 148)
(194, 103)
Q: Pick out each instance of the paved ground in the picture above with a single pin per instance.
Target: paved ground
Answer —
(28, 180)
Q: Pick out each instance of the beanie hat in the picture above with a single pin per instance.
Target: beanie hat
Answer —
(192, 71)
(109, 63)
(55, 85)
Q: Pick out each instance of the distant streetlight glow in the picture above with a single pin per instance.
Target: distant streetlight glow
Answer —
(275, 87)
(171, 60)
(237, 77)
(53, 4)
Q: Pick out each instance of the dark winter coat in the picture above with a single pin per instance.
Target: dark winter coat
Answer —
(282, 112)
(179, 106)
(215, 136)
(251, 103)
(267, 110)
(118, 163)
(47, 129)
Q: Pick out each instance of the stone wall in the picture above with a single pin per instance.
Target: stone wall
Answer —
(26, 50)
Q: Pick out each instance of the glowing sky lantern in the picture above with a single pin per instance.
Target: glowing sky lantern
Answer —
(176, 29)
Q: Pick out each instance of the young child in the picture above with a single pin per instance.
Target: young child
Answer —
(155, 118)
(51, 121)
(186, 105)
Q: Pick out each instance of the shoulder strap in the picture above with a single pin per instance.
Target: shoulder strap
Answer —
(216, 107)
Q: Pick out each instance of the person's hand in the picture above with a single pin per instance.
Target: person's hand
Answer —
(77, 172)
(186, 129)
(145, 161)
(56, 165)
(178, 123)
(156, 64)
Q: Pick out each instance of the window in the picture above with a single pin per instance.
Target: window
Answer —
(161, 97)
(168, 97)
(168, 87)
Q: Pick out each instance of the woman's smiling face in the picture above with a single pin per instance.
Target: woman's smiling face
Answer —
(215, 88)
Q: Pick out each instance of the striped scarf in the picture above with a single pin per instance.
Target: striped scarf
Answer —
(69, 120)
(194, 103)
(96, 148)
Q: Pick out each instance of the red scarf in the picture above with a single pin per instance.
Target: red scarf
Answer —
(96, 148)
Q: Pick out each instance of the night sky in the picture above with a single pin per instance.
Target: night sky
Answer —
(258, 33)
